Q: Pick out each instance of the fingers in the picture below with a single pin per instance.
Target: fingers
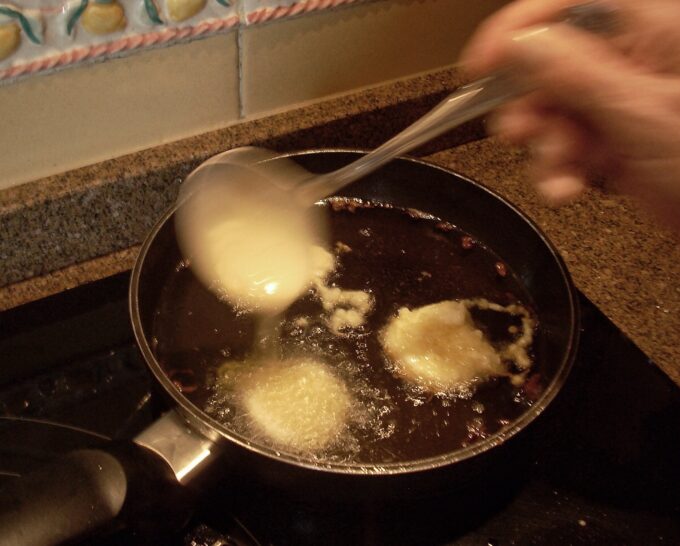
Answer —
(579, 70)
(519, 121)
(648, 32)
(561, 189)
(554, 135)
(653, 40)
(557, 170)
(576, 70)
(565, 153)
(559, 167)
(482, 54)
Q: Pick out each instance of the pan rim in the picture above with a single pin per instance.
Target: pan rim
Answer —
(195, 415)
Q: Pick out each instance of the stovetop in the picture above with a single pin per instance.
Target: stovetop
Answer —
(602, 463)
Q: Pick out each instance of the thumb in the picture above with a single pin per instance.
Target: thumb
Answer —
(577, 70)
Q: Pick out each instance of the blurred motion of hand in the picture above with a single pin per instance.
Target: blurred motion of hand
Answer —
(606, 108)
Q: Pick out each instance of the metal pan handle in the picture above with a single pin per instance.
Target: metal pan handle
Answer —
(96, 491)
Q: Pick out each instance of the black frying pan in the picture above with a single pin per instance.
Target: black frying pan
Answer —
(176, 450)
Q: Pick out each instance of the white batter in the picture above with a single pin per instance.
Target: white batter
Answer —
(346, 309)
(245, 238)
(299, 405)
(438, 348)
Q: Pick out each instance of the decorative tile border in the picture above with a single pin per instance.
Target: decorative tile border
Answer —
(257, 11)
(44, 35)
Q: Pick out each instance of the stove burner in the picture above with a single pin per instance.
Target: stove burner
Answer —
(601, 465)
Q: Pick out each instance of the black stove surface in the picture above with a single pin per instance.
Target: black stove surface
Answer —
(602, 464)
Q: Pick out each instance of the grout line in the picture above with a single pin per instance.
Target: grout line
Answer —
(240, 55)
(241, 91)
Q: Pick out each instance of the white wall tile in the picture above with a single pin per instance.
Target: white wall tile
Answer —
(95, 112)
(289, 61)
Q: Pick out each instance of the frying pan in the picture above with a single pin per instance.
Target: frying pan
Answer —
(88, 490)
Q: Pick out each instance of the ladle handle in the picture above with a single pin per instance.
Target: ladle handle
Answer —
(465, 104)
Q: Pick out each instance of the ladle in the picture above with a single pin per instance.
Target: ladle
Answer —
(247, 224)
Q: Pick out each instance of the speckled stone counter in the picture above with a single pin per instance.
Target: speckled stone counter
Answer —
(87, 224)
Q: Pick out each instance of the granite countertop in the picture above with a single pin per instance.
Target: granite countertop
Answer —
(86, 224)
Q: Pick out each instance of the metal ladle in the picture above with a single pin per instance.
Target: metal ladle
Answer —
(247, 224)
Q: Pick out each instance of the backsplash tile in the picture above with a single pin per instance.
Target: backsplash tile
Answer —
(306, 58)
(73, 118)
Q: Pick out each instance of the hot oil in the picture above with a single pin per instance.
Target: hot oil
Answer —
(402, 259)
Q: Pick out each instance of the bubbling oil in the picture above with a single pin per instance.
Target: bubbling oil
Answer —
(400, 258)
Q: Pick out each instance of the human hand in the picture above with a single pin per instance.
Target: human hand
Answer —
(604, 108)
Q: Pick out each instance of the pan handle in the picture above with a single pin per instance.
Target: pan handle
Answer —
(93, 491)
